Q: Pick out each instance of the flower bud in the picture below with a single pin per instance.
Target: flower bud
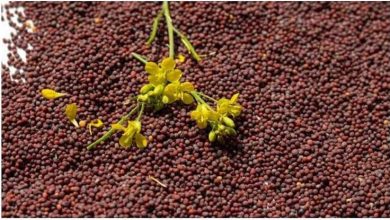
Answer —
(212, 136)
(146, 88)
(229, 122)
(165, 99)
(158, 90)
(143, 98)
(230, 131)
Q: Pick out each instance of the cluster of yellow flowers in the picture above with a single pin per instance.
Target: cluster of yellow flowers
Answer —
(219, 120)
(164, 85)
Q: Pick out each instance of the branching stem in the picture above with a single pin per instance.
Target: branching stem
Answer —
(197, 97)
(110, 132)
(208, 97)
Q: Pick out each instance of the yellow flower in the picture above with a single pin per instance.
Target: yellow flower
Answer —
(178, 91)
(231, 107)
(131, 132)
(163, 71)
(51, 94)
(202, 114)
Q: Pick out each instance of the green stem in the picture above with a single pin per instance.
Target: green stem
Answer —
(141, 111)
(154, 28)
(206, 96)
(188, 45)
(170, 29)
(139, 58)
(110, 132)
(198, 99)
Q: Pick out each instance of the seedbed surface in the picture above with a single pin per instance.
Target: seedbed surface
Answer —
(313, 138)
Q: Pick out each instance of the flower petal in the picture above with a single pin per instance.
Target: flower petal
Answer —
(213, 116)
(118, 126)
(71, 112)
(174, 75)
(151, 68)
(134, 126)
(141, 141)
(194, 115)
(126, 141)
(235, 110)
(168, 64)
(201, 124)
(170, 93)
(234, 98)
(171, 89)
(97, 123)
(156, 79)
(51, 94)
(187, 98)
(181, 58)
(187, 87)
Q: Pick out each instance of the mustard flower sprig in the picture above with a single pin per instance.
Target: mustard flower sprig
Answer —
(164, 87)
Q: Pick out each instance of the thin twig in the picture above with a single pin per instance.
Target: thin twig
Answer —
(139, 57)
(157, 181)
